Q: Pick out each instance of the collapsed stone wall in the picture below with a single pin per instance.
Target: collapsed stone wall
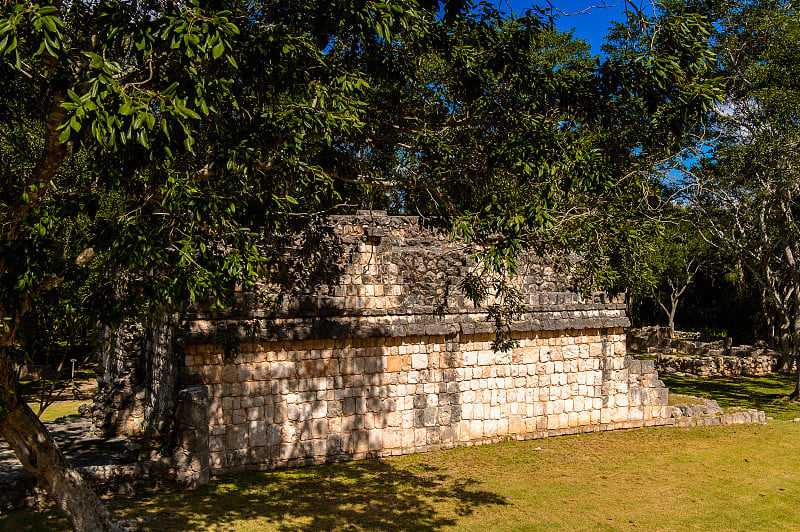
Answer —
(396, 263)
(717, 366)
(388, 357)
(707, 412)
(702, 355)
(685, 341)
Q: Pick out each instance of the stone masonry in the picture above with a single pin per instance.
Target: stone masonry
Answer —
(292, 403)
(699, 355)
(389, 358)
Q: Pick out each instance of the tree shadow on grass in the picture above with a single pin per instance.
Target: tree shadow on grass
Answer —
(372, 495)
(764, 393)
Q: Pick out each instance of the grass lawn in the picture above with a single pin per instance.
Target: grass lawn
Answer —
(72, 395)
(764, 393)
(702, 478)
(60, 409)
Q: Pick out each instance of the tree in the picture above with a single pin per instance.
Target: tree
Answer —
(160, 154)
(748, 188)
(678, 257)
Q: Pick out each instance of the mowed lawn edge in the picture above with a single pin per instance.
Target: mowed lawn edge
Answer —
(742, 477)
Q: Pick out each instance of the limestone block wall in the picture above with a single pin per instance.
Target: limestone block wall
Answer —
(385, 356)
(390, 272)
(285, 403)
(718, 366)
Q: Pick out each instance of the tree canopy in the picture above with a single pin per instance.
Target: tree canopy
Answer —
(157, 154)
(748, 186)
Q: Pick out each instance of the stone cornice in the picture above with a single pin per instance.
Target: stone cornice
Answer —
(392, 323)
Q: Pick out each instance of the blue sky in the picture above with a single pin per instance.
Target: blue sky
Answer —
(589, 20)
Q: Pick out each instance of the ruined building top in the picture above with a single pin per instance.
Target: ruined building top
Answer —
(396, 276)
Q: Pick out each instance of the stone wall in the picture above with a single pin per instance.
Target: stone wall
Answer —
(290, 403)
(386, 356)
(702, 355)
(717, 366)
(688, 341)
(137, 388)
(707, 412)
(397, 264)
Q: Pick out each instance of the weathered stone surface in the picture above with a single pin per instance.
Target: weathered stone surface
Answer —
(191, 455)
(702, 355)
(410, 394)
(389, 358)
(708, 412)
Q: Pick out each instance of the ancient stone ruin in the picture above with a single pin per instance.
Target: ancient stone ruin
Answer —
(700, 355)
(388, 358)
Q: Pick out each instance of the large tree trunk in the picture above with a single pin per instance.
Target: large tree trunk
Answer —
(785, 327)
(769, 319)
(40, 455)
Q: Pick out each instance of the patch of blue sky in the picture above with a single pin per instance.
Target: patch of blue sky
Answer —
(588, 20)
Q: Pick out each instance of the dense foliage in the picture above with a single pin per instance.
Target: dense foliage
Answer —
(748, 186)
(742, 186)
(156, 154)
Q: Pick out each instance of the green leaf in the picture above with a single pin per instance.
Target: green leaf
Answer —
(11, 46)
(50, 24)
(218, 50)
(190, 113)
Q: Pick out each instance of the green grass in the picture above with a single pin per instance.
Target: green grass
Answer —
(764, 393)
(702, 478)
(59, 409)
(740, 477)
(70, 395)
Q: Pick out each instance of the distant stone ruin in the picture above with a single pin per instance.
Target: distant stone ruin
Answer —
(694, 354)
(388, 358)
(706, 412)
